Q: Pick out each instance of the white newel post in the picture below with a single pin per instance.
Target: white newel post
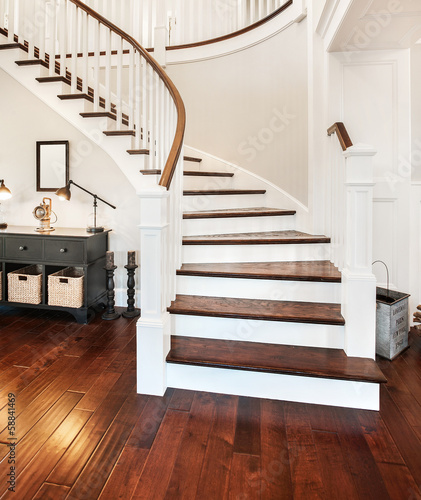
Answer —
(358, 280)
(161, 32)
(153, 327)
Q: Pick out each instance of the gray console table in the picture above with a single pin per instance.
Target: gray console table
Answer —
(22, 246)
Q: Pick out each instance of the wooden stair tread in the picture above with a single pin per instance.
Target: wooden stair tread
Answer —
(265, 238)
(70, 97)
(192, 158)
(273, 358)
(319, 270)
(111, 133)
(32, 62)
(98, 114)
(258, 309)
(202, 173)
(53, 79)
(210, 192)
(186, 172)
(7, 46)
(237, 212)
(142, 152)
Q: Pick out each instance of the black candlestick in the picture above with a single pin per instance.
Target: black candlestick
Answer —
(111, 312)
(131, 311)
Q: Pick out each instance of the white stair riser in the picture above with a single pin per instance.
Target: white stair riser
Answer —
(305, 291)
(231, 225)
(209, 182)
(250, 330)
(311, 390)
(255, 253)
(216, 202)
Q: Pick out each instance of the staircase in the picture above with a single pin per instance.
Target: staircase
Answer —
(257, 310)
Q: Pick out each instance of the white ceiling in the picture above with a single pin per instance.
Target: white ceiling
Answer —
(379, 24)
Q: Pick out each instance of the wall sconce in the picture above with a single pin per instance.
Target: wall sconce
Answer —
(65, 194)
(5, 194)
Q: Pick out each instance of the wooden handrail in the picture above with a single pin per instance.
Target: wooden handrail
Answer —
(253, 26)
(341, 132)
(174, 155)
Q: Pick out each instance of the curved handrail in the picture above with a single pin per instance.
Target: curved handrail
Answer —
(234, 33)
(341, 132)
(171, 163)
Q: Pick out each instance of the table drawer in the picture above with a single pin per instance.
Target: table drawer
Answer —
(23, 248)
(64, 251)
(1, 248)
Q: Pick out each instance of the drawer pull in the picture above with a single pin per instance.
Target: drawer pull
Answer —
(63, 250)
(22, 248)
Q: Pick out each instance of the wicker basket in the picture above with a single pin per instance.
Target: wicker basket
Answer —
(65, 287)
(25, 285)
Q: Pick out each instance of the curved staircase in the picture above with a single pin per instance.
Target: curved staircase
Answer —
(258, 304)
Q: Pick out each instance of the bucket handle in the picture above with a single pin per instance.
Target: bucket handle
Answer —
(387, 274)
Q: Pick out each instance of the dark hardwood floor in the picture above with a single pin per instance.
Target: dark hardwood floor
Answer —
(84, 433)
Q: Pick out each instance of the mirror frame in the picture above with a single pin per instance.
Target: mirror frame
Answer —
(41, 144)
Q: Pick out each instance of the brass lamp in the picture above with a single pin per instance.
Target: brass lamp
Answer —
(65, 194)
(5, 194)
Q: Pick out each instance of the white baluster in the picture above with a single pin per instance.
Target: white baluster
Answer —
(119, 102)
(62, 27)
(74, 15)
(52, 38)
(85, 50)
(108, 45)
(29, 28)
(40, 18)
(96, 63)
(132, 84)
(152, 119)
(261, 9)
(145, 110)
(11, 21)
(162, 124)
(253, 11)
(140, 126)
(21, 21)
(152, 23)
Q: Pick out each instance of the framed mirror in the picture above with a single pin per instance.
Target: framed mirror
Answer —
(52, 165)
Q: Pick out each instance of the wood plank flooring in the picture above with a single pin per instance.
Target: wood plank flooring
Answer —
(84, 433)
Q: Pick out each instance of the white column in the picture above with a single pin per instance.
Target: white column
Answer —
(153, 327)
(161, 33)
(358, 280)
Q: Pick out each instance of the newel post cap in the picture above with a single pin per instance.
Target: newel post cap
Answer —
(360, 150)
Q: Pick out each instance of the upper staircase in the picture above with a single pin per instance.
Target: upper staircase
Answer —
(256, 304)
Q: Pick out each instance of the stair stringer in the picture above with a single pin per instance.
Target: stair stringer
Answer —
(274, 196)
(93, 128)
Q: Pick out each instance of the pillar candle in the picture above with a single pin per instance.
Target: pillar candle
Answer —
(109, 260)
(131, 258)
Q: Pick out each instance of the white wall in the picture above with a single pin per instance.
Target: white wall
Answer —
(250, 108)
(25, 120)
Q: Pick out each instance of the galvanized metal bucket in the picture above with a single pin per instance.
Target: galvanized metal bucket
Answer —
(392, 322)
